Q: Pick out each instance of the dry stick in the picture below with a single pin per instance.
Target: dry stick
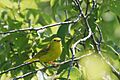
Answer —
(53, 66)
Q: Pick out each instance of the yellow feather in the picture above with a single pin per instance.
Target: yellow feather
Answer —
(52, 52)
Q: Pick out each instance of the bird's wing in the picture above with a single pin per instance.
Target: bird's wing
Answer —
(42, 52)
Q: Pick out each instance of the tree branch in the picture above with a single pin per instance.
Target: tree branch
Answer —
(53, 66)
(76, 2)
(92, 9)
(16, 67)
(42, 27)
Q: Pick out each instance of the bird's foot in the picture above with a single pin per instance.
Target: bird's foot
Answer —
(52, 63)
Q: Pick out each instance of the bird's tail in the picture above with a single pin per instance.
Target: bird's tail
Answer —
(30, 60)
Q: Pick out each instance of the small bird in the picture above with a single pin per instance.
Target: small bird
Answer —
(49, 54)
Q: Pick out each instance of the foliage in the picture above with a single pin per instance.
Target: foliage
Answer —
(22, 35)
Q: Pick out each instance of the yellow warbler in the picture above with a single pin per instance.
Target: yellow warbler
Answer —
(52, 52)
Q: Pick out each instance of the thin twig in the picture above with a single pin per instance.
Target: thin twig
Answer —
(99, 52)
(98, 43)
(100, 33)
(53, 66)
(29, 73)
(79, 7)
(78, 49)
(73, 48)
(17, 67)
(87, 7)
(42, 27)
(113, 50)
(93, 7)
(71, 64)
(80, 40)
(113, 68)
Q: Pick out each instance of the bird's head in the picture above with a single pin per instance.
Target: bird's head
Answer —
(56, 41)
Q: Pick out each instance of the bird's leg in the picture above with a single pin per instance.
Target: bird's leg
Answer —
(52, 63)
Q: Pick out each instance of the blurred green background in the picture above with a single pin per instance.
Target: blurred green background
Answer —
(17, 47)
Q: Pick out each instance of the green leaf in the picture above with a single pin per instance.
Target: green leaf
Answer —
(31, 4)
(114, 6)
(96, 63)
(53, 2)
(62, 32)
(62, 68)
(75, 74)
(7, 4)
(109, 5)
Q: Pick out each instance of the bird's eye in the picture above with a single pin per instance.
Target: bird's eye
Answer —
(54, 40)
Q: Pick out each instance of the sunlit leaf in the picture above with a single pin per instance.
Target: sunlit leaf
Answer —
(75, 74)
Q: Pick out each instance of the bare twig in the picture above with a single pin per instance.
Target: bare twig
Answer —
(42, 27)
(16, 67)
(87, 6)
(98, 43)
(53, 66)
(74, 47)
(100, 33)
(113, 68)
(113, 50)
(36, 29)
(78, 5)
(80, 40)
(29, 73)
(99, 52)
(93, 7)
